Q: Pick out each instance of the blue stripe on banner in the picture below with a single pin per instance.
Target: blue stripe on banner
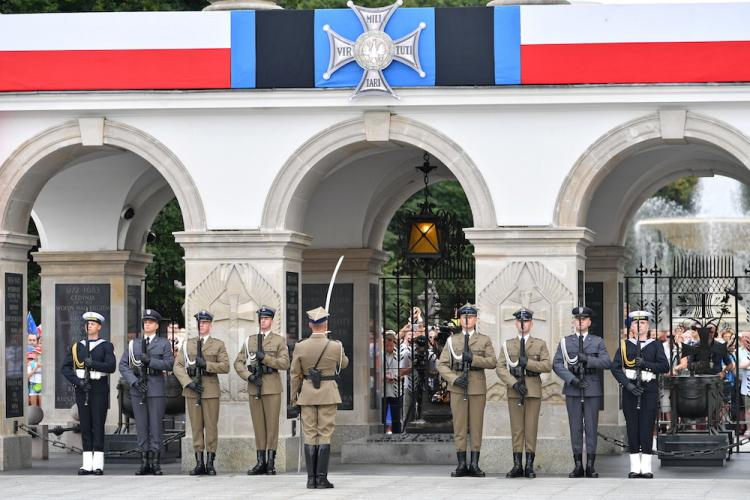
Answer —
(243, 49)
(345, 23)
(508, 45)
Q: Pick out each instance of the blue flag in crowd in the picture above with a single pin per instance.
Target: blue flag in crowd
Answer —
(31, 324)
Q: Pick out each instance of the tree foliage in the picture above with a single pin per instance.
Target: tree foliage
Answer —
(681, 191)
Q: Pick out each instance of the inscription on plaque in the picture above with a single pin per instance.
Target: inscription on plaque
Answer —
(14, 345)
(71, 301)
(292, 330)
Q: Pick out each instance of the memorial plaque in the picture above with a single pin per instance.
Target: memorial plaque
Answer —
(342, 328)
(595, 301)
(133, 312)
(292, 330)
(71, 301)
(15, 342)
(374, 343)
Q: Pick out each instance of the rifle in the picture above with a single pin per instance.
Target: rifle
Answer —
(87, 376)
(638, 382)
(466, 367)
(198, 370)
(522, 369)
(259, 365)
(581, 368)
(144, 369)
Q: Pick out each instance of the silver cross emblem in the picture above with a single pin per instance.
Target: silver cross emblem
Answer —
(374, 50)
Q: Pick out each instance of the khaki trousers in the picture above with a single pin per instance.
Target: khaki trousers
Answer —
(524, 421)
(204, 417)
(318, 422)
(468, 417)
(265, 415)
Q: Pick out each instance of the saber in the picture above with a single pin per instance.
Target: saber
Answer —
(333, 280)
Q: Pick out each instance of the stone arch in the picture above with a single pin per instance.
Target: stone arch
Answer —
(599, 160)
(287, 200)
(33, 163)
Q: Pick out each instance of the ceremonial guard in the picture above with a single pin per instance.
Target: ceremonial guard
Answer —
(636, 365)
(462, 363)
(579, 361)
(522, 361)
(316, 362)
(199, 362)
(87, 366)
(143, 366)
(259, 360)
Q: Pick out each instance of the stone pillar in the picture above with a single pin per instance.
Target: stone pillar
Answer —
(72, 283)
(242, 5)
(15, 446)
(606, 265)
(538, 268)
(360, 269)
(232, 273)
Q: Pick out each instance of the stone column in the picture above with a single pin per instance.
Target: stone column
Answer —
(606, 265)
(242, 5)
(360, 269)
(15, 446)
(232, 273)
(538, 268)
(73, 282)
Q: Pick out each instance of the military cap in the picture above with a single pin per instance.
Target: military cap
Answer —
(93, 316)
(203, 315)
(469, 309)
(268, 312)
(639, 315)
(524, 314)
(151, 314)
(582, 312)
(317, 315)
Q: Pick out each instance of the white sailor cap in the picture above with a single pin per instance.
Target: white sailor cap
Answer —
(639, 315)
(93, 316)
(317, 315)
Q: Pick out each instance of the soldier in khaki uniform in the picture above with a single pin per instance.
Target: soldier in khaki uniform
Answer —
(316, 362)
(468, 393)
(527, 356)
(200, 381)
(260, 367)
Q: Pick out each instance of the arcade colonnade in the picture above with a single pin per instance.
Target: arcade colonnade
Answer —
(272, 196)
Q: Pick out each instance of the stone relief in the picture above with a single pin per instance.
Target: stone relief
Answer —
(531, 285)
(233, 293)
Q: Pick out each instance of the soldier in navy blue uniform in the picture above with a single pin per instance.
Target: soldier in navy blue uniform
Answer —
(148, 398)
(87, 366)
(640, 396)
(582, 372)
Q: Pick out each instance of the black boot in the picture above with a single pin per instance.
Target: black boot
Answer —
(260, 467)
(145, 464)
(474, 470)
(200, 468)
(321, 469)
(528, 471)
(461, 470)
(517, 470)
(311, 457)
(578, 469)
(210, 470)
(271, 463)
(590, 472)
(156, 464)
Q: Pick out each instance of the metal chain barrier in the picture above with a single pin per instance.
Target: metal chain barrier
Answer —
(692, 453)
(75, 449)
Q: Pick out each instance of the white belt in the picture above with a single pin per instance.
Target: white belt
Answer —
(93, 375)
(645, 376)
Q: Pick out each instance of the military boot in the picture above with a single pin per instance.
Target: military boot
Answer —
(156, 465)
(210, 469)
(311, 457)
(321, 469)
(578, 468)
(461, 470)
(517, 470)
(474, 470)
(199, 468)
(528, 471)
(271, 463)
(590, 472)
(145, 464)
(260, 467)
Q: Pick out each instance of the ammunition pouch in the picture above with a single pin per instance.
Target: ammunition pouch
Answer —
(314, 376)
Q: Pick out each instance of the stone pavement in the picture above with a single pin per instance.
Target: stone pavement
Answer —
(56, 478)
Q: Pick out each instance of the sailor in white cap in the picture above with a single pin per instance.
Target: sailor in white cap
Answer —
(87, 366)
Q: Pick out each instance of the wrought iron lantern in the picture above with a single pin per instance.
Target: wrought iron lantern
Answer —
(425, 233)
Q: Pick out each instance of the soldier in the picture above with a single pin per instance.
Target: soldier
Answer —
(260, 365)
(522, 361)
(144, 371)
(636, 364)
(462, 365)
(581, 370)
(199, 377)
(316, 362)
(87, 366)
